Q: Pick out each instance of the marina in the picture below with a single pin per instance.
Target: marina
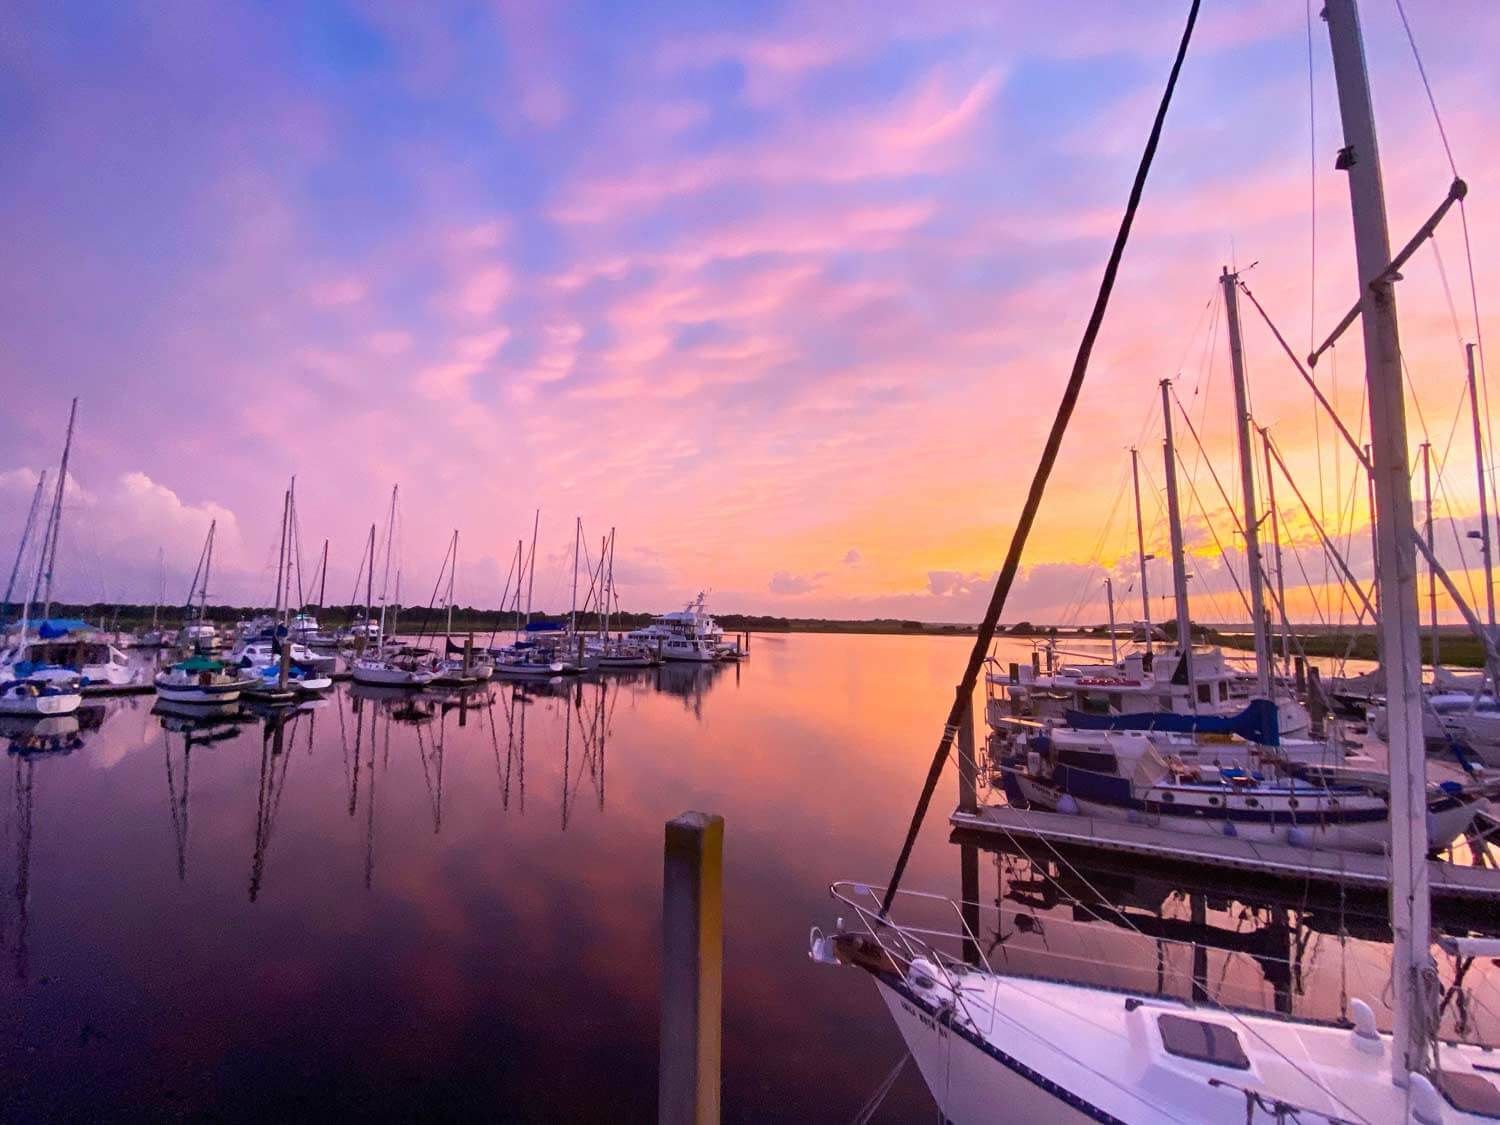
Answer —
(700, 564)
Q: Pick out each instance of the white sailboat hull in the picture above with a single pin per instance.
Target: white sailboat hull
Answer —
(380, 675)
(969, 1085)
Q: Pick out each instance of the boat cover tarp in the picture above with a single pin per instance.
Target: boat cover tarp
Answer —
(55, 627)
(199, 664)
(1256, 723)
(544, 627)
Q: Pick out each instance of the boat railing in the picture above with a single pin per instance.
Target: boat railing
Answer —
(948, 938)
(903, 945)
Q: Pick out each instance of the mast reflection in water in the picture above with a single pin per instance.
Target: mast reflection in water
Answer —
(434, 907)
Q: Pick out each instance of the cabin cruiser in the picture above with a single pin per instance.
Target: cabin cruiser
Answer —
(1142, 681)
(688, 634)
(529, 662)
(305, 672)
(1466, 720)
(262, 650)
(202, 680)
(198, 634)
(74, 646)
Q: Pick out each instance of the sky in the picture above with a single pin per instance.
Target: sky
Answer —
(785, 293)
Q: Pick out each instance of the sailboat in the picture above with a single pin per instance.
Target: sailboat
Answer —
(68, 646)
(389, 665)
(994, 1046)
(462, 664)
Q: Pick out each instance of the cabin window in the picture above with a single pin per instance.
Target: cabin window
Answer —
(1095, 760)
(1205, 693)
(1168, 798)
(1223, 690)
(1251, 803)
(1202, 1041)
(1291, 802)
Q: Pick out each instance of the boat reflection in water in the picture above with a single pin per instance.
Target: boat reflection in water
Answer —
(1192, 935)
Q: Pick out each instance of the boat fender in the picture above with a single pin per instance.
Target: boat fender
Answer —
(1451, 787)
(1298, 838)
(1426, 1102)
(1366, 1033)
(1033, 763)
(1066, 804)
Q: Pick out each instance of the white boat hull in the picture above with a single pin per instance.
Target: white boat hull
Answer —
(229, 693)
(57, 703)
(970, 1085)
(379, 675)
(1370, 836)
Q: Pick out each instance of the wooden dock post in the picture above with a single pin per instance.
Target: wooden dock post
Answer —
(1317, 703)
(968, 762)
(1299, 665)
(692, 970)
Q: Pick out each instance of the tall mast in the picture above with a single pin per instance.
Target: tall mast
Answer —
(1179, 563)
(1247, 486)
(531, 577)
(161, 565)
(369, 582)
(385, 581)
(36, 503)
(1283, 625)
(452, 577)
(54, 532)
(577, 538)
(1114, 647)
(1140, 544)
(520, 566)
(1411, 907)
(286, 519)
(208, 565)
(609, 582)
(1431, 551)
(1484, 511)
(323, 575)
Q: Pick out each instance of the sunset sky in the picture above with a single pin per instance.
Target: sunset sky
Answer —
(785, 292)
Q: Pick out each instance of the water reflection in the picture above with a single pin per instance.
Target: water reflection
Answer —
(1280, 947)
(315, 870)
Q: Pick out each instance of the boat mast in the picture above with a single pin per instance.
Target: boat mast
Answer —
(1411, 907)
(369, 584)
(1114, 647)
(208, 564)
(1140, 544)
(49, 544)
(1179, 563)
(323, 575)
(1427, 532)
(609, 583)
(1484, 511)
(577, 538)
(161, 565)
(1229, 281)
(385, 581)
(286, 515)
(452, 576)
(36, 503)
(520, 566)
(531, 576)
(1283, 624)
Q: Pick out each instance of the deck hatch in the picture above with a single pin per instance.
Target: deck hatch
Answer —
(1470, 1093)
(1202, 1041)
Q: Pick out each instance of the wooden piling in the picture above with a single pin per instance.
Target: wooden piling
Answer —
(968, 762)
(692, 970)
(1317, 703)
(1299, 666)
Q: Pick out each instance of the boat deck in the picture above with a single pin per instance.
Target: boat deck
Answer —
(1373, 872)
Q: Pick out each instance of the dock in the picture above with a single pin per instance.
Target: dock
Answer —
(1451, 883)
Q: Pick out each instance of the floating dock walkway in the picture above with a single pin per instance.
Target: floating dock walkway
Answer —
(1450, 882)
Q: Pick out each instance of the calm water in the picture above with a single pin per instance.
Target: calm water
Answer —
(410, 910)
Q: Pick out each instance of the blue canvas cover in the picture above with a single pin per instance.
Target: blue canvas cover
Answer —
(1256, 723)
(54, 627)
